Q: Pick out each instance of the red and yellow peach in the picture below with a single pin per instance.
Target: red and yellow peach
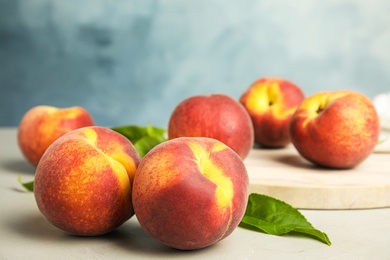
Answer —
(271, 102)
(190, 192)
(42, 125)
(83, 181)
(337, 129)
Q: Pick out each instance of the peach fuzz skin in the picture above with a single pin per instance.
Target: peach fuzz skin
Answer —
(215, 116)
(335, 129)
(190, 192)
(271, 102)
(83, 181)
(42, 125)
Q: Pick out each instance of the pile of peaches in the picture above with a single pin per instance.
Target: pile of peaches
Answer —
(190, 191)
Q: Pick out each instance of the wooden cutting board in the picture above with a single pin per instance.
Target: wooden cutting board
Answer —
(284, 174)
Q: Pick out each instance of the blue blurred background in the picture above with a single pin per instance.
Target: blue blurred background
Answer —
(132, 61)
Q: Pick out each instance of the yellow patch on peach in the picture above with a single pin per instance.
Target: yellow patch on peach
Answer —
(122, 166)
(48, 109)
(90, 136)
(261, 96)
(217, 147)
(225, 189)
(70, 113)
(53, 120)
(120, 172)
(66, 113)
(309, 107)
(115, 152)
(318, 102)
(267, 94)
(128, 163)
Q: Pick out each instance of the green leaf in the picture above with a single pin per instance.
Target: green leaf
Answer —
(131, 132)
(143, 138)
(155, 131)
(27, 185)
(276, 217)
(145, 144)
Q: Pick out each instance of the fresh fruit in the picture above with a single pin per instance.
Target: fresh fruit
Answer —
(336, 129)
(190, 192)
(83, 181)
(215, 116)
(271, 102)
(42, 125)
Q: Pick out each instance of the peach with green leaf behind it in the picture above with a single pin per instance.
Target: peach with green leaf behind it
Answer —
(337, 129)
(42, 125)
(83, 181)
(271, 103)
(190, 192)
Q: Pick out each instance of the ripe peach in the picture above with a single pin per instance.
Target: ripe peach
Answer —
(42, 125)
(336, 129)
(216, 116)
(83, 181)
(271, 103)
(190, 192)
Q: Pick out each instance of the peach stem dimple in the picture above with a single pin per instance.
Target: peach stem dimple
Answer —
(319, 110)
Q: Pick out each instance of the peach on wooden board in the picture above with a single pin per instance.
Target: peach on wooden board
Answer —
(271, 102)
(337, 129)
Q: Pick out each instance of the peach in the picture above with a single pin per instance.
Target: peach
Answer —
(83, 181)
(271, 103)
(42, 125)
(215, 116)
(337, 129)
(190, 192)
